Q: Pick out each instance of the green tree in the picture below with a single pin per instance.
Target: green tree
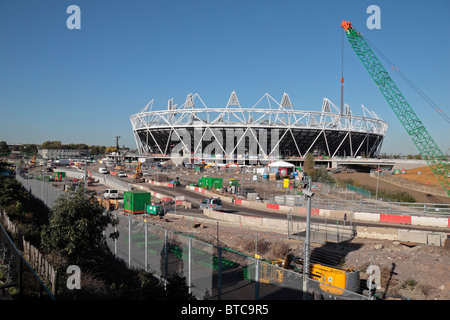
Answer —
(51, 145)
(11, 192)
(75, 228)
(3, 147)
(308, 165)
(111, 149)
(29, 149)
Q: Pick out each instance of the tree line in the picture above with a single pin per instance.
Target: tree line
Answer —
(33, 148)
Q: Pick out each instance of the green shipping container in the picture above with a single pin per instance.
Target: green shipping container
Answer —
(59, 175)
(217, 183)
(210, 182)
(135, 201)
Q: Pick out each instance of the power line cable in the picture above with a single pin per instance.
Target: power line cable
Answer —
(409, 82)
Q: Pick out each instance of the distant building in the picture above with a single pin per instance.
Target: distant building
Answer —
(54, 154)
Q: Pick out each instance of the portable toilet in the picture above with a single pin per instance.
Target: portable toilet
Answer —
(136, 201)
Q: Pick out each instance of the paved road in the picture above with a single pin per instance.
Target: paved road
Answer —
(195, 198)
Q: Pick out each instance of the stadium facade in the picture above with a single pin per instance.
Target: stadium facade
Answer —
(267, 131)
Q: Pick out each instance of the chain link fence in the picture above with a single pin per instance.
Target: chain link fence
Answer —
(40, 190)
(212, 272)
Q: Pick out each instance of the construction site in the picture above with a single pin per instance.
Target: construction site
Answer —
(241, 217)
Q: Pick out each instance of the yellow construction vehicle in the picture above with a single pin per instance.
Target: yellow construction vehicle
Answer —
(120, 167)
(137, 177)
(331, 280)
(210, 164)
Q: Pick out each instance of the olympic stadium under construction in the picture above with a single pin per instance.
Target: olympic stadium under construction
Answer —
(266, 131)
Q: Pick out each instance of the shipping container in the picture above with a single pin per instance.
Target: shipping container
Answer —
(59, 176)
(210, 183)
(136, 201)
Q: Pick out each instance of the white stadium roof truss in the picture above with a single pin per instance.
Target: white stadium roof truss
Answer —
(266, 113)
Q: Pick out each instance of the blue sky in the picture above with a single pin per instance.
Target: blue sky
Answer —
(81, 86)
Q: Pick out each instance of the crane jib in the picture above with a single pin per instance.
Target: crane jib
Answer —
(408, 118)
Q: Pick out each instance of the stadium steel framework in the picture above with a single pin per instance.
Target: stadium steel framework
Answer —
(266, 131)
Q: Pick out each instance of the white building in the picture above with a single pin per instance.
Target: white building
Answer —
(63, 153)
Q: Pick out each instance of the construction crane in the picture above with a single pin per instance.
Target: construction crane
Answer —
(408, 118)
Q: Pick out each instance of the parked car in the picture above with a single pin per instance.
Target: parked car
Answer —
(121, 174)
(167, 201)
(211, 203)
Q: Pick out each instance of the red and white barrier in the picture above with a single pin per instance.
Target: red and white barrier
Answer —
(439, 222)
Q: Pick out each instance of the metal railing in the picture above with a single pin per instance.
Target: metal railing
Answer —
(372, 206)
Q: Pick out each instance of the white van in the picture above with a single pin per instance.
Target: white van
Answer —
(102, 170)
(111, 194)
(212, 203)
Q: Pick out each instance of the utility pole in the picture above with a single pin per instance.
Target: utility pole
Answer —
(117, 144)
(308, 195)
(119, 162)
(85, 175)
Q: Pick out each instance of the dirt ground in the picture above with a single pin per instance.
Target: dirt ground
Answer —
(421, 175)
(416, 273)
(366, 179)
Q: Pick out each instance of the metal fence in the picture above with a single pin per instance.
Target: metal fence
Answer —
(41, 190)
(372, 206)
(15, 272)
(212, 272)
(328, 231)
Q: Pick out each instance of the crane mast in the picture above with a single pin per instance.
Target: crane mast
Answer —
(408, 118)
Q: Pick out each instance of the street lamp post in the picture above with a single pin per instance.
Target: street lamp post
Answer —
(378, 173)
(308, 195)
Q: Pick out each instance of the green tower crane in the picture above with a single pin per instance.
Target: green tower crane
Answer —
(408, 118)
